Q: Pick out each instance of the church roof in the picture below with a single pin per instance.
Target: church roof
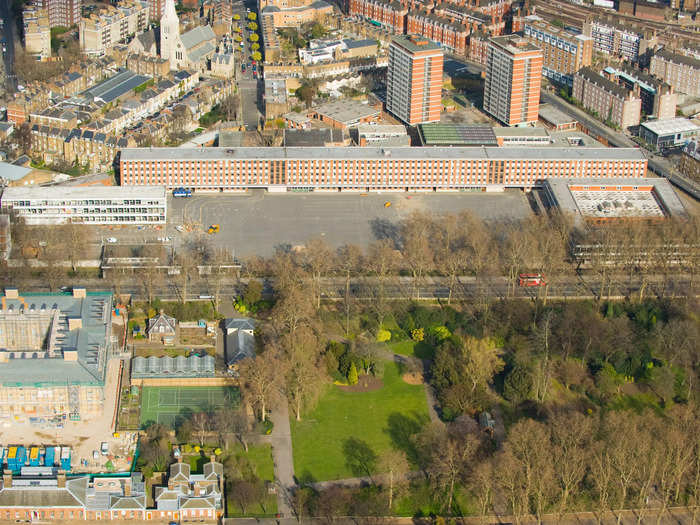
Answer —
(147, 39)
(196, 36)
(201, 52)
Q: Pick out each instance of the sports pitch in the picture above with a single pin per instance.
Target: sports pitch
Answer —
(164, 404)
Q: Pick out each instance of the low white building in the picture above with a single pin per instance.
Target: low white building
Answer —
(87, 204)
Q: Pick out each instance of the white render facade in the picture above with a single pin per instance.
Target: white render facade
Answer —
(87, 205)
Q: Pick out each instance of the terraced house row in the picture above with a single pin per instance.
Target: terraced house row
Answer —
(367, 169)
(448, 23)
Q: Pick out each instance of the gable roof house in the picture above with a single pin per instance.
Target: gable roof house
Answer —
(193, 495)
(239, 340)
(162, 328)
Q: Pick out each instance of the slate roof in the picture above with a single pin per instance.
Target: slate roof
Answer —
(11, 172)
(70, 496)
(179, 472)
(603, 83)
(147, 39)
(162, 320)
(239, 344)
(196, 36)
(678, 59)
(199, 53)
(128, 502)
(213, 469)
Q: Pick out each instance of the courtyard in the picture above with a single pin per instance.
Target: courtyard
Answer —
(256, 222)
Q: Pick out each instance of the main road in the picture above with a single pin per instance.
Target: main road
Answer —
(249, 83)
(9, 34)
(401, 288)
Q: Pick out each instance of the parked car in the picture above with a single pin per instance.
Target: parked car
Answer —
(111, 240)
(104, 448)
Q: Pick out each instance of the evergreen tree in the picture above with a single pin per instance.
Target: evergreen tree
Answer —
(352, 374)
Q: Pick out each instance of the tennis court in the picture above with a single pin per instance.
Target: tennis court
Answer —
(164, 404)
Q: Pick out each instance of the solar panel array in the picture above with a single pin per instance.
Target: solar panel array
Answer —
(439, 134)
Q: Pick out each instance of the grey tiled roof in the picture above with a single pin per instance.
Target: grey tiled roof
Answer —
(196, 36)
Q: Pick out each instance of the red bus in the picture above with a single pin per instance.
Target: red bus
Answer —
(531, 279)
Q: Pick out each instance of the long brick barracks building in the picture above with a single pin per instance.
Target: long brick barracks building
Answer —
(367, 169)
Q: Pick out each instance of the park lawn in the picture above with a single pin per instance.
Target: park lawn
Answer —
(405, 347)
(420, 499)
(259, 457)
(411, 348)
(380, 419)
(265, 509)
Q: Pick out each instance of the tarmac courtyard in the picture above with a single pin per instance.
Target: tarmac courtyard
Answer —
(256, 222)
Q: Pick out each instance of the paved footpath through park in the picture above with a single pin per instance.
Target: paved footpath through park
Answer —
(281, 441)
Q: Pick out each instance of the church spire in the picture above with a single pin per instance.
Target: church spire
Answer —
(169, 33)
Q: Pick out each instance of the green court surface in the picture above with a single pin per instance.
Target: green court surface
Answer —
(164, 404)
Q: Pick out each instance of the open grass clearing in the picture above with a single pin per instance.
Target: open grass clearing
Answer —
(346, 430)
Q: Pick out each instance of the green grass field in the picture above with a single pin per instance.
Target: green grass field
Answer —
(346, 428)
(409, 347)
(164, 405)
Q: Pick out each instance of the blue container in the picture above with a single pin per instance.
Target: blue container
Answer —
(65, 458)
(21, 457)
(50, 457)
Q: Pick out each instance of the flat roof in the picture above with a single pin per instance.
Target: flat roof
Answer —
(614, 203)
(82, 192)
(346, 111)
(369, 153)
(554, 115)
(415, 43)
(671, 126)
(390, 129)
(442, 134)
(520, 132)
(514, 44)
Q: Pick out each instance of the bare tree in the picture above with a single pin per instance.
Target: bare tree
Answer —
(446, 458)
(349, 261)
(450, 250)
(318, 259)
(382, 262)
(528, 446)
(261, 379)
(232, 421)
(515, 249)
(572, 436)
(219, 273)
(187, 263)
(201, 425)
(481, 483)
(416, 249)
(305, 372)
(22, 136)
(393, 462)
(151, 278)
